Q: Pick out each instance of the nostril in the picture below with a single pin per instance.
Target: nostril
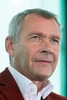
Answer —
(46, 52)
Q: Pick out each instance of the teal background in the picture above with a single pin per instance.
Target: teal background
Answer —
(63, 49)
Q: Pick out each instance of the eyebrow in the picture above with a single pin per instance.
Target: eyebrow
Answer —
(57, 37)
(36, 33)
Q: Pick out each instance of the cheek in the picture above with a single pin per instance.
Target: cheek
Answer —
(56, 55)
(31, 52)
(27, 55)
(21, 56)
(56, 50)
(32, 49)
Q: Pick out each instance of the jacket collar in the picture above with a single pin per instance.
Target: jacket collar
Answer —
(8, 86)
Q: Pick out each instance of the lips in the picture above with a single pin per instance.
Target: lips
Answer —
(43, 62)
(46, 61)
(44, 58)
(47, 58)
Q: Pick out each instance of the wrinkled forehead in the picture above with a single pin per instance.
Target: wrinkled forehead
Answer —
(33, 23)
(33, 20)
(33, 15)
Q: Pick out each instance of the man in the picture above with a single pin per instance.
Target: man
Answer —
(33, 47)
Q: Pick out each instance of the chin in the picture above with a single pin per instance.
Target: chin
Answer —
(42, 77)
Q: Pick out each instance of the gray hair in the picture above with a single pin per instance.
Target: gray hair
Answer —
(15, 24)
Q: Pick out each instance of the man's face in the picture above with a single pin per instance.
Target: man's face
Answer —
(36, 53)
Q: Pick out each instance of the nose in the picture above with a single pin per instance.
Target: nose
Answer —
(46, 52)
(46, 47)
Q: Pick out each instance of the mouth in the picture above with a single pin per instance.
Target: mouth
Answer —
(43, 62)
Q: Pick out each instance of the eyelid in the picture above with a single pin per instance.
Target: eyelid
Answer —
(56, 40)
(35, 35)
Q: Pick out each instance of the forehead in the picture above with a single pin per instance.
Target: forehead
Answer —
(33, 22)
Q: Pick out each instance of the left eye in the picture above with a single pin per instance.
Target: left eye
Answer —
(54, 41)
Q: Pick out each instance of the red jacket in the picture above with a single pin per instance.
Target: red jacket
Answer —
(10, 91)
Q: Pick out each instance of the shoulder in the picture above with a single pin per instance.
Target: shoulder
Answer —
(57, 97)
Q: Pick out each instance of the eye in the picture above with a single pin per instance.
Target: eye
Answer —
(36, 38)
(55, 41)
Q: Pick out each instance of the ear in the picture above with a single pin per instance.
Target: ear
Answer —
(9, 45)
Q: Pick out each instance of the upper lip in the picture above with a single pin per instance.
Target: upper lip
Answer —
(44, 57)
(44, 60)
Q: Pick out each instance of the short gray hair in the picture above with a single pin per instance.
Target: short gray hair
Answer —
(15, 23)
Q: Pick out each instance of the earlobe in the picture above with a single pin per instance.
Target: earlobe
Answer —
(9, 46)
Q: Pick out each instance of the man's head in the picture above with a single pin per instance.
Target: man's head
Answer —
(33, 43)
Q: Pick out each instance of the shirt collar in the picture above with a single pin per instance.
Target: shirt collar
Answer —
(24, 83)
(20, 79)
(47, 90)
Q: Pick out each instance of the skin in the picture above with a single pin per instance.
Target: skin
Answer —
(35, 55)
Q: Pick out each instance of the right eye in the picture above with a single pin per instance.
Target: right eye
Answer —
(36, 38)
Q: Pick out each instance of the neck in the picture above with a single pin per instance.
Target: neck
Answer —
(40, 84)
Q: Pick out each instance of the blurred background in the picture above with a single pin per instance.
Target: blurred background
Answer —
(9, 8)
